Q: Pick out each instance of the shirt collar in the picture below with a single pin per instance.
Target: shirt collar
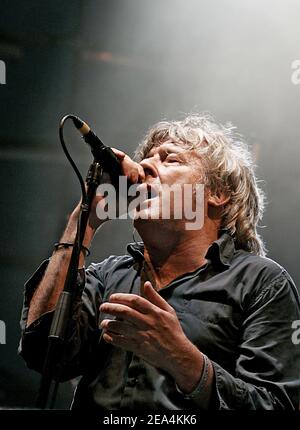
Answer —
(136, 250)
(221, 251)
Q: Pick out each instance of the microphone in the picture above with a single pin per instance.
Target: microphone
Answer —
(103, 154)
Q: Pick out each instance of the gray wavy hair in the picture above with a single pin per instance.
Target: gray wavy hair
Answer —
(228, 167)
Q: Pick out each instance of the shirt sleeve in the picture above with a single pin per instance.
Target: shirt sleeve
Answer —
(267, 374)
(83, 331)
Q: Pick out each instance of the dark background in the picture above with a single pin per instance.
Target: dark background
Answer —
(123, 65)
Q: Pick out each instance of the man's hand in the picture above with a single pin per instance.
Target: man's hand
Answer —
(131, 169)
(148, 326)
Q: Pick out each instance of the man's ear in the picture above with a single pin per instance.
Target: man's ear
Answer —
(217, 200)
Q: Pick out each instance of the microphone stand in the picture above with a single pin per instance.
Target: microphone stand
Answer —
(52, 366)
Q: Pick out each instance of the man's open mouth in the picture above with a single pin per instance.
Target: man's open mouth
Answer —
(148, 191)
(151, 191)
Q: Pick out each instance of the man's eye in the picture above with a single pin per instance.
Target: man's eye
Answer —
(172, 159)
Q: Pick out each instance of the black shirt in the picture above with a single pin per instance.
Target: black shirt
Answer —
(238, 309)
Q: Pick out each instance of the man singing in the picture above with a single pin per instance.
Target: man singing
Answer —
(191, 318)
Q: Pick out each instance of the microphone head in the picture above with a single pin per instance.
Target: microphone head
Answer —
(81, 125)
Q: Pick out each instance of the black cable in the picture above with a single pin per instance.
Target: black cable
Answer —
(64, 147)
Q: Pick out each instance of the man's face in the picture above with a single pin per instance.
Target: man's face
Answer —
(171, 174)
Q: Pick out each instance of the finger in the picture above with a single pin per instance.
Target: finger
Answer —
(119, 340)
(152, 295)
(131, 169)
(111, 337)
(133, 301)
(119, 154)
(124, 312)
(141, 174)
(119, 327)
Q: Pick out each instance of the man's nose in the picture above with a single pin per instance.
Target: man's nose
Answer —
(149, 167)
